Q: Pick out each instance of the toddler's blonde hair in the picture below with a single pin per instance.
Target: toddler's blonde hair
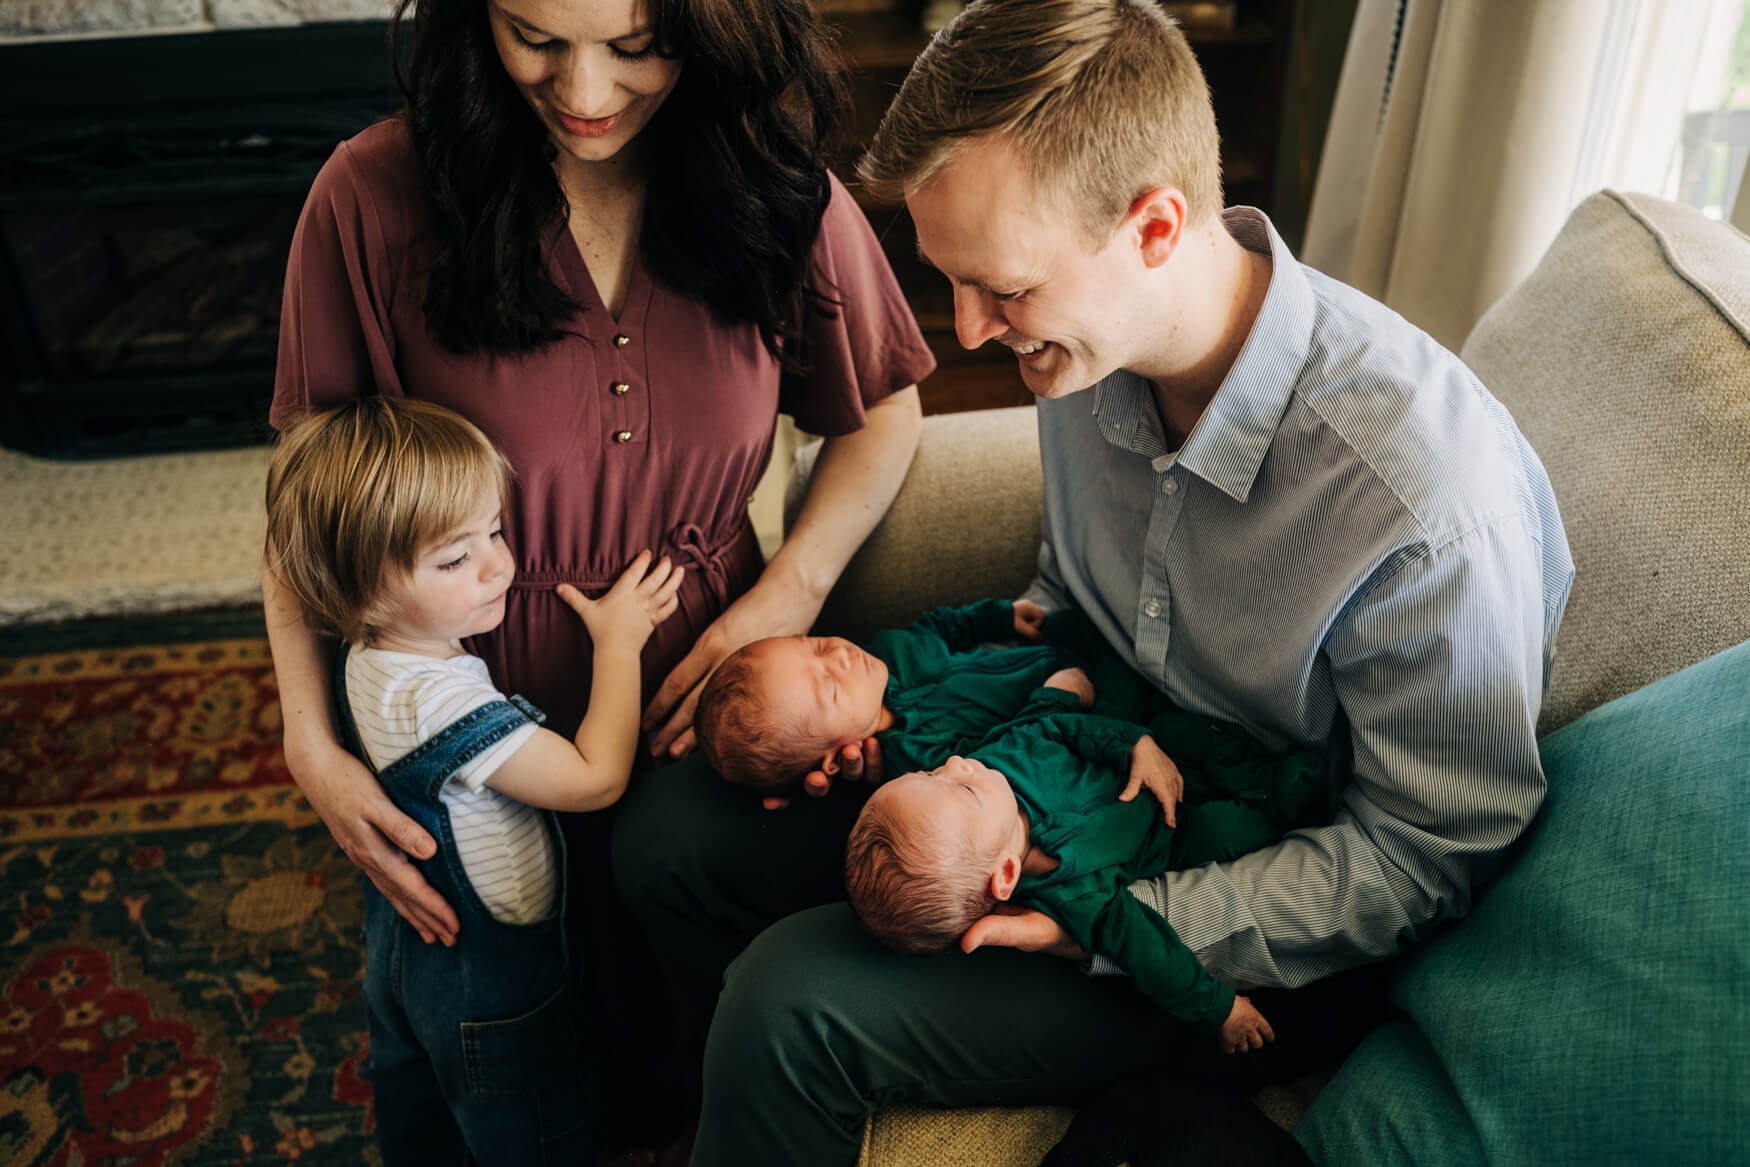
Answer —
(358, 491)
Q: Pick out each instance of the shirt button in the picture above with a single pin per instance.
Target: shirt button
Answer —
(620, 388)
(1153, 609)
(623, 436)
(1169, 486)
(622, 341)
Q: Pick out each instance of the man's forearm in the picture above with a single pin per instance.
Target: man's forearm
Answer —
(1313, 905)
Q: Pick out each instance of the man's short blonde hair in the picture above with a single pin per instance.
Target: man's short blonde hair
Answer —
(1103, 98)
(358, 491)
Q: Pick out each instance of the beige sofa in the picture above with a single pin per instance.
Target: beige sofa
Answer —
(1625, 358)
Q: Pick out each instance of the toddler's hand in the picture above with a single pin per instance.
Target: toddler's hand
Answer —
(1073, 681)
(1245, 1029)
(643, 597)
(1150, 767)
(1029, 620)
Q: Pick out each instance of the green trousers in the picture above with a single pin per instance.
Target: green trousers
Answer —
(816, 1023)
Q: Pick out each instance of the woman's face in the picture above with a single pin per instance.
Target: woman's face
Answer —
(588, 68)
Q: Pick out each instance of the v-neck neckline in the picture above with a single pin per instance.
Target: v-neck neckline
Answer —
(582, 286)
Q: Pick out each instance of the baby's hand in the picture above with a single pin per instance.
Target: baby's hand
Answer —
(1073, 681)
(1150, 767)
(1029, 620)
(643, 597)
(1245, 1029)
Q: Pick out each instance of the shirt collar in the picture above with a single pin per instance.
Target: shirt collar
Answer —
(1229, 442)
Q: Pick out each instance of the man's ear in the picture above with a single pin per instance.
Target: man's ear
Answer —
(1004, 878)
(1156, 220)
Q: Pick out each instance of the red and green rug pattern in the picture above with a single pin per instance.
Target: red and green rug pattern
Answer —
(181, 938)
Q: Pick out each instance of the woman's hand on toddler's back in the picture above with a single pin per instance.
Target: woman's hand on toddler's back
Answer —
(643, 597)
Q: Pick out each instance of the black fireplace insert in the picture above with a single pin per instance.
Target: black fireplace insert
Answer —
(148, 191)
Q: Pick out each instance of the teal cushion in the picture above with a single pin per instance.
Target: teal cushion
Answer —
(1391, 1103)
(1595, 1007)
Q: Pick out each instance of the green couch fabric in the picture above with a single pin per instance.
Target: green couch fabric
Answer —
(1595, 1007)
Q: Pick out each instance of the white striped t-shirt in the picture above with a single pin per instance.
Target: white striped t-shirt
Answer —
(401, 700)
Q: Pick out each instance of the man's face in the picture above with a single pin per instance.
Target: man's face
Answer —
(822, 686)
(1025, 273)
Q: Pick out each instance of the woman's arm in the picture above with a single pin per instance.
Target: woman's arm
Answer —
(853, 484)
(374, 834)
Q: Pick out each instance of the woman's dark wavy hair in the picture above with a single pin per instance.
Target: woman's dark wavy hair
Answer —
(736, 184)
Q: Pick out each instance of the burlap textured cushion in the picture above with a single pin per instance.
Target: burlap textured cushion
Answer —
(906, 1136)
(1625, 358)
(964, 527)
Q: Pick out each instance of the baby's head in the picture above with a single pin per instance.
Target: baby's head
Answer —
(932, 852)
(780, 707)
(359, 496)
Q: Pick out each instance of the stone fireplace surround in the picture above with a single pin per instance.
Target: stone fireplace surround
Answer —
(32, 19)
(117, 499)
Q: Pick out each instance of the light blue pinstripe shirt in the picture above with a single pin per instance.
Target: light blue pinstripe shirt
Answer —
(1355, 532)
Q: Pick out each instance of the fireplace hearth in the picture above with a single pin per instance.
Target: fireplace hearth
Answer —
(148, 191)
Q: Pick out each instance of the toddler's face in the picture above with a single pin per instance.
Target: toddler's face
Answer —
(457, 586)
(961, 800)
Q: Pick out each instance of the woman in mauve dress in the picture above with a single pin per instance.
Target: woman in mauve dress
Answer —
(602, 231)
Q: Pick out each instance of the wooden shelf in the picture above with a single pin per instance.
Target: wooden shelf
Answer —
(889, 40)
(984, 385)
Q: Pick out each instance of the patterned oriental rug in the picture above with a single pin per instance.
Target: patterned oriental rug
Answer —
(181, 937)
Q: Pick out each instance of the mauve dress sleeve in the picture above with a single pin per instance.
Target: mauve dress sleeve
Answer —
(336, 341)
(871, 346)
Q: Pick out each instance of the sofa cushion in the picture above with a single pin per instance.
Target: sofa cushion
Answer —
(984, 465)
(1625, 358)
(1391, 1105)
(1594, 1006)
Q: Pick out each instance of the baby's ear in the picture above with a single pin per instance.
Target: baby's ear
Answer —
(1004, 878)
(829, 765)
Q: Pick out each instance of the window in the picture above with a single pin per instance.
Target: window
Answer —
(1707, 167)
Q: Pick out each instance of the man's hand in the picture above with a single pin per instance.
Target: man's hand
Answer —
(1150, 767)
(1073, 681)
(377, 838)
(858, 762)
(1029, 620)
(1245, 1029)
(1009, 926)
(759, 613)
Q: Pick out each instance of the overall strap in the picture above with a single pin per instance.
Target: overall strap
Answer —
(420, 773)
(349, 730)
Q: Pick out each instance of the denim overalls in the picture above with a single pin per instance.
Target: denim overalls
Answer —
(476, 1052)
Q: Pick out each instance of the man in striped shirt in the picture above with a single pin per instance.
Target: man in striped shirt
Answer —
(1286, 506)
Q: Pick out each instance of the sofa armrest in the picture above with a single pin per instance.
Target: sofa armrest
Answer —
(965, 525)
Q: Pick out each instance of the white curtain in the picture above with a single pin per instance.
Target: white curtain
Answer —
(1464, 131)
